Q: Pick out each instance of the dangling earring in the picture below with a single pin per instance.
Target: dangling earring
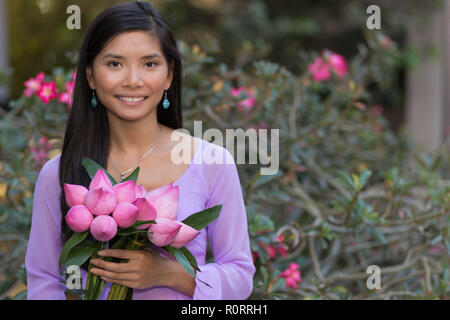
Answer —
(94, 101)
(166, 102)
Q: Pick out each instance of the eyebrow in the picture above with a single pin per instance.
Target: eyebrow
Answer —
(115, 56)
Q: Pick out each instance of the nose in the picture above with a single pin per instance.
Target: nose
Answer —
(133, 78)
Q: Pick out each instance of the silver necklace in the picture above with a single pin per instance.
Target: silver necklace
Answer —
(122, 174)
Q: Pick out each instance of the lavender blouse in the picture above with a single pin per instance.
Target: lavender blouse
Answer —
(204, 184)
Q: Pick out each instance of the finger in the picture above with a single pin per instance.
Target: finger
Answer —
(118, 253)
(112, 266)
(113, 275)
(150, 250)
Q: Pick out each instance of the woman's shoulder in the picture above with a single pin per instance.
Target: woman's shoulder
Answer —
(205, 152)
(214, 154)
(49, 176)
(215, 163)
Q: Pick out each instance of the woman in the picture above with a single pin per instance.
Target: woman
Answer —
(127, 105)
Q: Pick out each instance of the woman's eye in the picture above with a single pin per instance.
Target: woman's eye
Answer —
(150, 62)
(109, 64)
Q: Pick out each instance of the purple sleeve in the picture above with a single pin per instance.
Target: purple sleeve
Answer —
(231, 274)
(44, 243)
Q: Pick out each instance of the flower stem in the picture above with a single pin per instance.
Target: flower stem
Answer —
(119, 292)
(94, 284)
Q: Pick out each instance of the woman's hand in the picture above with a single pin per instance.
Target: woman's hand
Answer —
(145, 268)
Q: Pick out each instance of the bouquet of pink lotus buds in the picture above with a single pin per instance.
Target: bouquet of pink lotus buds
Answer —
(116, 214)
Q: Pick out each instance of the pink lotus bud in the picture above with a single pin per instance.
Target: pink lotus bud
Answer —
(79, 218)
(125, 191)
(103, 228)
(164, 201)
(139, 191)
(101, 201)
(146, 212)
(100, 179)
(125, 214)
(184, 236)
(157, 192)
(75, 194)
(163, 232)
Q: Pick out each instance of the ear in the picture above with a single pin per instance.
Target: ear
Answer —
(90, 77)
(170, 75)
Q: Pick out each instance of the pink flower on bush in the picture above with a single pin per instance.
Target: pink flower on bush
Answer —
(322, 66)
(338, 64)
(47, 92)
(248, 102)
(40, 152)
(386, 42)
(319, 69)
(292, 275)
(281, 246)
(67, 96)
(33, 85)
(437, 249)
(273, 250)
(378, 110)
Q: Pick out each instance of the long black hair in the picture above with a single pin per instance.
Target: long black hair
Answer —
(87, 132)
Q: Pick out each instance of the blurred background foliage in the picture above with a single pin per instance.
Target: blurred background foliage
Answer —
(352, 191)
(257, 29)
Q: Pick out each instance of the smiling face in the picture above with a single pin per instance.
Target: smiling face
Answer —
(130, 75)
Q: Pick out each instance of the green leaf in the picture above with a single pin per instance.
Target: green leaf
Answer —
(132, 230)
(364, 177)
(75, 239)
(22, 273)
(436, 239)
(258, 180)
(190, 258)
(347, 179)
(126, 232)
(133, 176)
(92, 167)
(262, 222)
(279, 283)
(120, 243)
(129, 294)
(181, 258)
(22, 295)
(380, 236)
(203, 218)
(140, 222)
(79, 254)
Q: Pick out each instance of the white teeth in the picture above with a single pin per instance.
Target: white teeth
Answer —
(129, 99)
